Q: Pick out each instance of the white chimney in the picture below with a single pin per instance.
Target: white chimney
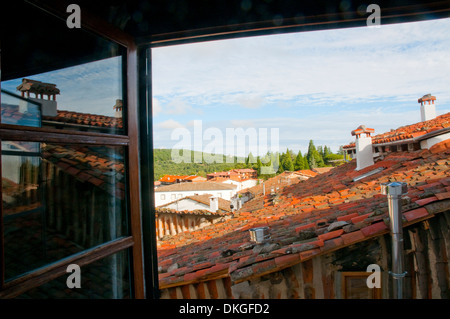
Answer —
(41, 90)
(427, 107)
(364, 154)
(213, 204)
(118, 108)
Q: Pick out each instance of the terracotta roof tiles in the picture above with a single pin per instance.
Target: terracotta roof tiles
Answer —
(92, 164)
(410, 131)
(205, 186)
(303, 219)
(85, 119)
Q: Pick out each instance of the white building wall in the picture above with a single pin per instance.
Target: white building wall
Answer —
(242, 185)
(364, 154)
(162, 198)
(427, 111)
(187, 204)
(428, 143)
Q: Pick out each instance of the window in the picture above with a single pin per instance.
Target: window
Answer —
(163, 197)
(354, 286)
(173, 196)
(66, 187)
(106, 278)
(59, 199)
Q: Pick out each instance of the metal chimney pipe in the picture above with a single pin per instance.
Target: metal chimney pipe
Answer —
(394, 192)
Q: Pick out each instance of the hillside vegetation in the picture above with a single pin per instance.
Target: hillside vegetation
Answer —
(198, 163)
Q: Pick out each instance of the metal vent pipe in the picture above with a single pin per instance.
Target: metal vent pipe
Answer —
(394, 192)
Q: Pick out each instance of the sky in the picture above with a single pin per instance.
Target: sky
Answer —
(316, 85)
(86, 88)
(288, 88)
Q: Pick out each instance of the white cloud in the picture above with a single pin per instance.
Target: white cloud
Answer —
(169, 124)
(312, 85)
(156, 107)
(401, 60)
(251, 102)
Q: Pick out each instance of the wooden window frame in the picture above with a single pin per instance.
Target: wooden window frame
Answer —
(376, 292)
(37, 277)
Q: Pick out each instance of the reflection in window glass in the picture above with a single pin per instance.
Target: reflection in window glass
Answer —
(108, 278)
(19, 111)
(86, 97)
(58, 200)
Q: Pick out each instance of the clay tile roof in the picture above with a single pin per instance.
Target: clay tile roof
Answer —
(426, 97)
(309, 218)
(89, 164)
(205, 186)
(410, 131)
(205, 212)
(172, 178)
(362, 129)
(35, 86)
(307, 172)
(85, 119)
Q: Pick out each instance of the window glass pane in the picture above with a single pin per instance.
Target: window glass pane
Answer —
(19, 111)
(86, 97)
(58, 200)
(108, 278)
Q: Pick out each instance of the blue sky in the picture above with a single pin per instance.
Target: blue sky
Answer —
(87, 88)
(314, 85)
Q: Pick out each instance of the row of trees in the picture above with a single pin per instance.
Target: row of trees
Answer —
(267, 166)
(276, 163)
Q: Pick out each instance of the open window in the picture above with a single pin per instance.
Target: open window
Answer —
(65, 158)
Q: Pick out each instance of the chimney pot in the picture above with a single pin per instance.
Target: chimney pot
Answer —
(363, 146)
(427, 112)
(214, 203)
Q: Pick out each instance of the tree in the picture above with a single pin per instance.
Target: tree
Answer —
(258, 165)
(299, 163)
(314, 157)
(287, 162)
(250, 161)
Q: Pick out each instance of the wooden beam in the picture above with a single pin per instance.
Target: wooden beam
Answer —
(134, 174)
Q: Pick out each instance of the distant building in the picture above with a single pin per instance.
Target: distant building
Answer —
(200, 202)
(170, 193)
(172, 179)
(243, 173)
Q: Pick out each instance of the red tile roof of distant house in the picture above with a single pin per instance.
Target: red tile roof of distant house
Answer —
(244, 170)
(205, 186)
(410, 131)
(195, 178)
(310, 209)
(307, 172)
(171, 178)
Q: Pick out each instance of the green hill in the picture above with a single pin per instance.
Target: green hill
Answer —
(197, 163)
